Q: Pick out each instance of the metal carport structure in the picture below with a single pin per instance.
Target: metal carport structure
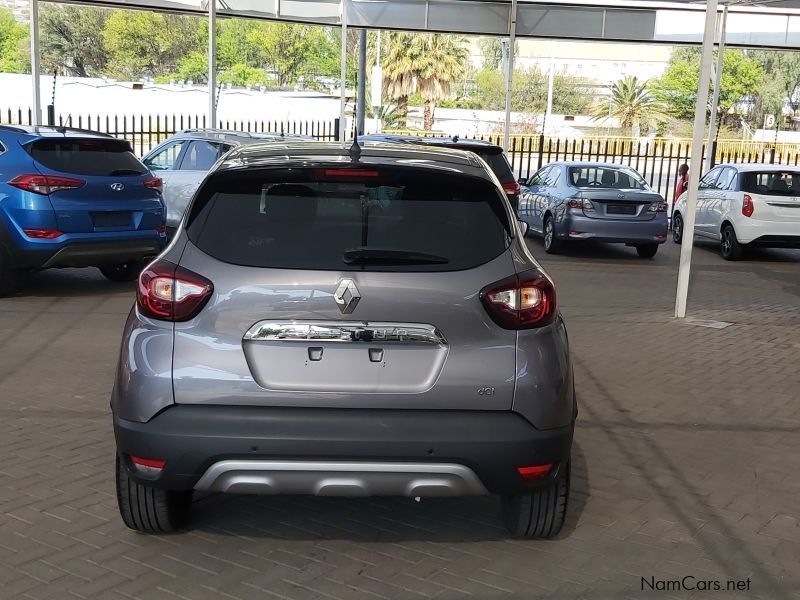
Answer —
(743, 23)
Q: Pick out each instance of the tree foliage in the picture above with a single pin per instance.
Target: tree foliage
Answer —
(13, 38)
(72, 39)
(742, 78)
(633, 103)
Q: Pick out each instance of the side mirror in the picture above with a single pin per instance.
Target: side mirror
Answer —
(524, 227)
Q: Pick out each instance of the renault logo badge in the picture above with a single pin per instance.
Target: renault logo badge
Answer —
(347, 296)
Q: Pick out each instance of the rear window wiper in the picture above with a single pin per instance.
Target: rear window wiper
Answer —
(388, 256)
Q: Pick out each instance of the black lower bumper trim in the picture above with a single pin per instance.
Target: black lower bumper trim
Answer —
(192, 438)
(92, 254)
(776, 241)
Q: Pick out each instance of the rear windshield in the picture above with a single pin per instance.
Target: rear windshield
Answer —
(606, 177)
(392, 219)
(87, 157)
(772, 183)
(497, 162)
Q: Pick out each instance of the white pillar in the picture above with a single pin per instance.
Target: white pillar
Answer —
(712, 128)
(512, 38)
(36, 111)
(343, 101)
(696, 160)
(212, 64)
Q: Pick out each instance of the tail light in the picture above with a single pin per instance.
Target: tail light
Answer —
(45, 184)
(148, 466)
(657, 207)
(574, 203)
(748, 208)
(154, 183)
(350, 172)
(171, 293)
(512, 188)
(42, 234)
(585, 204)
(534, 472)
(523, 301)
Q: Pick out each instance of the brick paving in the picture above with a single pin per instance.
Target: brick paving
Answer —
(686, 463)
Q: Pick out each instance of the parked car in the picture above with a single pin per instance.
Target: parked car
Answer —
(345, 323)
(598, 202)
(73, 198)
(183, 160)
(491, 153)
(744, 206)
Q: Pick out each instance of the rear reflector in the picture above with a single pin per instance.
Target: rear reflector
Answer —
(45, 184)
(171, 293)
(523, 301)
(161, 229)
(42, 234)
(535, 472)
(748, 208)
(154, 183)
(148, 466)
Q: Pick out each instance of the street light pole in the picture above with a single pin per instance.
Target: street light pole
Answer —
(361, 105)
(512, 38)
(212, 63)
(712, 128)
(36, 113)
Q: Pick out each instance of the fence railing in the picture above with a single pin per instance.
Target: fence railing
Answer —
(144, 132)
(657, 159)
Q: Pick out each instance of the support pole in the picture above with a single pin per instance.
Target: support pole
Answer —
(712, 128)
(512, 38)
(36, 112)
(361, 106)
(343, 59)
(696, 161)
(212, 63)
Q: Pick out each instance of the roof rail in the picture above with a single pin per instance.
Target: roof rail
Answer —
(219, 131)
(12, 128)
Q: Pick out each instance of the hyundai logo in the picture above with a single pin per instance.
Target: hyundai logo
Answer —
(117, 187)
(347, 296)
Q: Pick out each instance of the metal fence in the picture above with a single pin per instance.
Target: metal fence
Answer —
(147, 131)
(657, 160)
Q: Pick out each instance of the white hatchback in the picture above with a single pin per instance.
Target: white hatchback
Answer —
(746, 205)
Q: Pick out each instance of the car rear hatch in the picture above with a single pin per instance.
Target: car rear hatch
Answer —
(775, 195)
(346, 287)
(99, 185)
(626, 205)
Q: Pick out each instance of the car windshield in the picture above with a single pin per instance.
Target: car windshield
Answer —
(98, 157)
(772, 183)
(606, 177)
(386, 219)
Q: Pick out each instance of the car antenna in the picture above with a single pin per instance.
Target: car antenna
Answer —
(355, 148)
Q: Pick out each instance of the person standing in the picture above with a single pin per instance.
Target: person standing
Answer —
(680, 186)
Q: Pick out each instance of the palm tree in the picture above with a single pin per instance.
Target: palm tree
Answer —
(398, 69)
(633, 103)
(441, 62)
(427, 63)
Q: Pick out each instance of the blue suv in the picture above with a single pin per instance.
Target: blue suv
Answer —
(74, 198)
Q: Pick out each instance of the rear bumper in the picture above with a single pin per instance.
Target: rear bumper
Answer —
(579, 227)
(86, 253)
(202, 443)
(776, 241)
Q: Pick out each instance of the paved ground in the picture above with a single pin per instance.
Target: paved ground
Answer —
(687, 460)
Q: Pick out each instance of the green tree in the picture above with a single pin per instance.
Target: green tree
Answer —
(148, 43)
(492, 51)
(285, 48)
(440, 61)
(742, 77)
(242, 75)
(72, 39)
(780, 84)
(13, 38)
(633, 103)
(398, 69)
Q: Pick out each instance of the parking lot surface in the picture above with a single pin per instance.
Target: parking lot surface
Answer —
(686, 463)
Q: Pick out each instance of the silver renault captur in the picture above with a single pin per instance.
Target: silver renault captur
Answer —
(345, 321)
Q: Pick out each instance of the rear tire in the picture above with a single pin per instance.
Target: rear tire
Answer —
(128, 271)
(148, 509)
(9, 278)
(541, 512)
(647, 250)
(677, 229)
(551, 244)
(729, 246)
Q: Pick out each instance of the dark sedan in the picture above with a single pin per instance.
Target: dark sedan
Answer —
(593, 202)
